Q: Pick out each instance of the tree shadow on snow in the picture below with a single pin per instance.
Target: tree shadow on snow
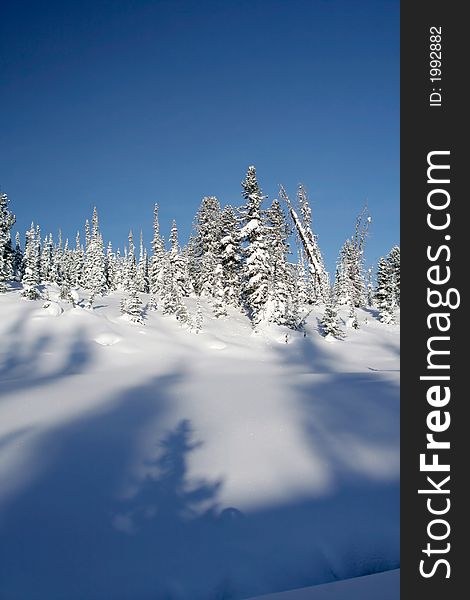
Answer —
(73, 534)
(20, 367)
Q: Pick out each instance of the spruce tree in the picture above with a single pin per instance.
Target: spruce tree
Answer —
(95, 262)
(205, 247)
(7, 220)
(31, 274)
(179, 263)
(350, 287)
(318, 280)
(142, 275)
(56, 270)
(230, 256)
(46, 259)
(132, 305)
(18, 259)
(384, 292)
(394, 261)
(78, 260)
(156, 262)
(280, 292)
(369, 287)
(219, 307)
(329, 322)
(257, 272)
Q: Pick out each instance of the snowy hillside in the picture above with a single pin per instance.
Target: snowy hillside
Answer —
(150, 462)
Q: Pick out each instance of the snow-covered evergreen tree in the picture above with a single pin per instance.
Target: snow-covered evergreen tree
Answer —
(18, 259)
(257, 272)
(205, 246)
(303, 295)
(179, 263)
(67, 274)
(329, 321)
(46, 259)
(318, 286)
(38, 252)
(219, 307)
(369, 287)
(279, 307)
(78, 260)
(350, 287)
(95, 262)
(7, 220)
(56, 268)
(156, 262)
(384, 292)
(230, 256)
(344, 285)
(132, 305)
(142, 275)
(394, 261)
(388, 285)
(110, 268)
(31, 276)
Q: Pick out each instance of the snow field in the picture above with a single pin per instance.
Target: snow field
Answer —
(224, 464)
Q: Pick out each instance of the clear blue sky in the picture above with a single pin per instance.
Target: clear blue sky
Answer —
(126, 103)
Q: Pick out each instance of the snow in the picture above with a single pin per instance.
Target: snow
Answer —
(49, 309)
(150, 462)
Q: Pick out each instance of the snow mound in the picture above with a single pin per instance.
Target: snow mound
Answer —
(107, 339)
(49, 309)
(217, 345)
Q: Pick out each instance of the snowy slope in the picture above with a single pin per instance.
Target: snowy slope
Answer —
(148, 462)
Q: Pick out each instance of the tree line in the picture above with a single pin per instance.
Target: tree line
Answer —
(235, 257)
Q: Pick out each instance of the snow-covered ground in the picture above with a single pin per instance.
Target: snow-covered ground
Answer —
(148, 462)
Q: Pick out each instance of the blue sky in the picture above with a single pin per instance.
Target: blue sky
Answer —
(122, 104)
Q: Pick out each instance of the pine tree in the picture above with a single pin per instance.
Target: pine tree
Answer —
(318, 287)
(56, 274)
(344, 285)
(95, 262)
(179, 263)
(329, 322)
(110, 268)
(230, 256)
(7, 220)
(132, 305)
(31, 273)
(349, 285)
(142, 275)
(18, 259)
(303, 295)
(394, 261)
(384, 292)
(46, 259)
(156, 262)
(369, 287)
(280, 293)
(205, 245)
(257, 273)
(67, 274)
(219, 307)
(78, 261)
